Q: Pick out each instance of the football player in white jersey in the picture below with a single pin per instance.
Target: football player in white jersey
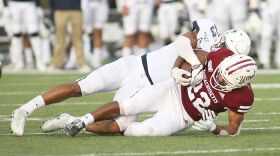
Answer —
(168, 13)
(227, 13)
(25, 15)
(95, 15)
(137, 20)
(271, 24)
(133, 72)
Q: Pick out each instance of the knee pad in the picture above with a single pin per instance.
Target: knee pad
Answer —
(18, 35)
(124, 121)
(35, 34)
(139, 129)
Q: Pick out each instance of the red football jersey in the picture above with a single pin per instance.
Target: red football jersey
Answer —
(203, 96)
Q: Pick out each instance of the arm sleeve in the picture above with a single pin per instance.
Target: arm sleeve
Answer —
(185, 50)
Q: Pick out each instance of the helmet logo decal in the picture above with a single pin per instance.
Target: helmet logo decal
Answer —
(246, 78)
(210, 67)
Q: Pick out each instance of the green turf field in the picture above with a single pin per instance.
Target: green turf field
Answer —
(260, 132)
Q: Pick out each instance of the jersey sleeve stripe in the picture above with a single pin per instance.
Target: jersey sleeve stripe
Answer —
(245, 107)
(243, 111)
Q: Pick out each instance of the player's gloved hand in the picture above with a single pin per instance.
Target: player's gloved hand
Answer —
(209, 115)
(207, 123)
(197, 75)
(177, 74)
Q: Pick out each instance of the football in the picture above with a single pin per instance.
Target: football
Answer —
(186, 66)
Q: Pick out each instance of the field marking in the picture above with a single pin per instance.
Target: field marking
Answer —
(190, 129)
(19, 93)
(268, 71)
(3, 119)
(234, 150)
(103, 102)
(266, 85)
(250, 121)
(28, 134)
(14, 84)
(61, 103)
(74, 72)
(268, 99)
(255, 86)
(260, 128)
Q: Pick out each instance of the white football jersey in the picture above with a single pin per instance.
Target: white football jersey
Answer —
(160, 62)
(207, 34)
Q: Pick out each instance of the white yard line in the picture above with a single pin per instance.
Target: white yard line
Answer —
(61, 104)
(243, 129)
(260, 128)
(16, 84)
(268, 72)
(255, 86)
(250, 121)
(103, 102)
(266, 85)
(74, 72)
(3, 119)
(19, 93)
(28, 134)
(231, 150)
(268, 99)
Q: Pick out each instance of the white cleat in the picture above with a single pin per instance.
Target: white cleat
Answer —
(57, 123)
(19, 117)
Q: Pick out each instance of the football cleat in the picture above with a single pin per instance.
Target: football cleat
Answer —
(74, 127)
(57, 123)
(19, 117)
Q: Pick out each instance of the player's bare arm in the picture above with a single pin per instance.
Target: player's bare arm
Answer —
(235, 120)
(192, 37)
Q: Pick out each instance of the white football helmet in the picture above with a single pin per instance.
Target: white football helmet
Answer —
(237, 70)
(236, 40)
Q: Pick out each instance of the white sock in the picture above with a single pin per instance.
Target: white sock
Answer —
(126, 51)
(33, 104)
(87, 119)
(141, 51)
(16, 51)
(36, 46)
(28, 55)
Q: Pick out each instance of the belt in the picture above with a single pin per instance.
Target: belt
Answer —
(145, 65)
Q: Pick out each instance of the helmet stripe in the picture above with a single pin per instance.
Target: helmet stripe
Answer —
(245, 65)
(237, 63)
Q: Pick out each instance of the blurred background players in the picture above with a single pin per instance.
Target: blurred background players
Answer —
(137, 16)
(68, 12)
(25, 16)
(227, 13)
(196, 8)
(240, 14)
(95, 13)
(270, 32)
(168, 13)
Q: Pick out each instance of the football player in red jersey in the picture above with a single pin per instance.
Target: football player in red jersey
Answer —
(131, 73)
(225, 86)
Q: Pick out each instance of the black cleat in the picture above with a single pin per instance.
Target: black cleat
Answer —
(74, 127)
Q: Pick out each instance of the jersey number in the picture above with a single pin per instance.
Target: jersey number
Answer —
(200, 103)
(214, 31)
